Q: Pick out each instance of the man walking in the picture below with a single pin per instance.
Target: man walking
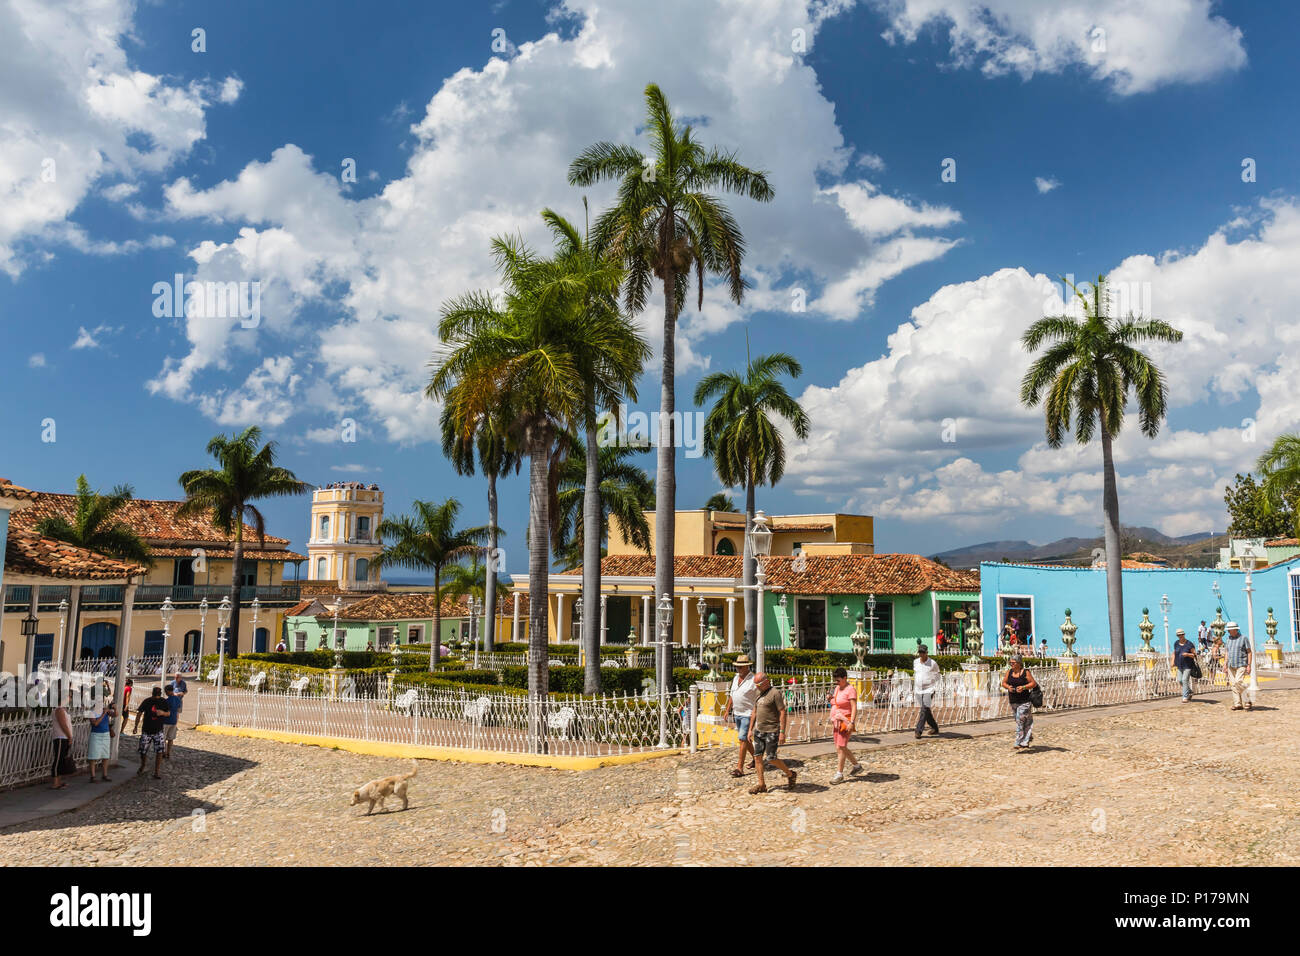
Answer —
(1203, 636)
(740, 705)
(767, 732)
(154, 711)
(1238, 662)
(1184, 660)
(173, 719)
(925, 680)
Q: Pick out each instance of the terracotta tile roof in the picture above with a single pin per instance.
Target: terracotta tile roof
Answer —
(327, 589)
(418, 605)
(1272, 543)
(776, 524)
(822, 574)
(153, 520)
(251, 554)
(30, 553)
(10, 490)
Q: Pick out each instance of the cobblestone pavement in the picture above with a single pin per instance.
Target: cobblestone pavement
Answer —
(1173, 784)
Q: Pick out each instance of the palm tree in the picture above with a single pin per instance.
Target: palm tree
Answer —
(625, 491)
(429, 541)
(617, 365)
(1279, 472)
(745, 442)
(247, 473)
(526, 359)
(663, 225)
(485, 437)
(96, 527)
(1090, 365)
(473, 581)
(720, 502)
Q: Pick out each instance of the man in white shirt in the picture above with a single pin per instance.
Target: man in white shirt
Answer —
(925, 681)
(740, 705)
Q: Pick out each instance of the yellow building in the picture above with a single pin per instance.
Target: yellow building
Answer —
(344, 535)
(192, 564)
(723, 532)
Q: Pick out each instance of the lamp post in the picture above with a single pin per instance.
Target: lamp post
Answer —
(338, 638)
(700, 607)
(1166, 606)
(665, 610)
(166, 612)
(577, 619)
(783, 604)
(758, 544)
(871, 619)
(29, 626)
(478, 609)
(257, 613)
(1248, 563)
(223, 623)
(63, 623)
(203, 627)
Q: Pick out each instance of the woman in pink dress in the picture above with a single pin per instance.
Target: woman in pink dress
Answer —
(844, 715)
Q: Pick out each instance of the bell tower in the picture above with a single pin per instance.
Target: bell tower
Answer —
(344, 537)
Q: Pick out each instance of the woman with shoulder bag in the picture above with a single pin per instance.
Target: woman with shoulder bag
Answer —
(1019, 685)
(61, 735)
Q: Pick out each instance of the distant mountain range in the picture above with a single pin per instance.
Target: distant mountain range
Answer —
(1192, 550)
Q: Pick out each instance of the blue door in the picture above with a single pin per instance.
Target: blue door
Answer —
(42, 649)
(259, 640)
(99, 640)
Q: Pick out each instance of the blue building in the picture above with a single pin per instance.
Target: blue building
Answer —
(1037, 596)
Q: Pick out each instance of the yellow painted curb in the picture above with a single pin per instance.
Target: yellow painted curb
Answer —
(378, 749)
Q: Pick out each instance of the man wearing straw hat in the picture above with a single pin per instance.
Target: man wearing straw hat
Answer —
(740, 704)
(1185, 660)
(1238, 650)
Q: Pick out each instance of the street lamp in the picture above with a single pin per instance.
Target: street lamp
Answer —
(477, 606)
(1248, 563)
(782, 604)
(338, 638)
(223, 624)
(1166, 606)
(577, 619)
(871, 619)
(758, 545)
(257, 611)
(665, 610)
(203, 627)
(701, 606)
(166, 612)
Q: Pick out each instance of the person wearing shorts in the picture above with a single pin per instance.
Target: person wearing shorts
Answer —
(740, 705)
(153, 710)
(767, 731)
(173, 718)
(844, 714)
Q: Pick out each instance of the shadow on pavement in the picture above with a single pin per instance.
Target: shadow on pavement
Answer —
(144, 798)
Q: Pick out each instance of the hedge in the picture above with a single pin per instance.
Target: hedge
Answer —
(613, 680)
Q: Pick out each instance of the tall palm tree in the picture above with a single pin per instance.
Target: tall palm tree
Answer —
(1279, 472)
(471, 581)
(744, 440)
(1090, 365)
(95, 526)
(429, 541)
(483, 437)
(720, 502)
(247, 473)
(663, 225)
(617, 365)
(526, 358)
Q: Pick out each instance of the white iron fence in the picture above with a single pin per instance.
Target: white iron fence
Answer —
(27, 748)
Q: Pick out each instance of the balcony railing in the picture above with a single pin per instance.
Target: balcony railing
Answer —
(18, 597)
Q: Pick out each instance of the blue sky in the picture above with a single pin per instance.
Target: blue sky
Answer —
(225, 164)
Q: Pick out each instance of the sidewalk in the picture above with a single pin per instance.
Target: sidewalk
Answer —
(1043, 720)
(37, 800)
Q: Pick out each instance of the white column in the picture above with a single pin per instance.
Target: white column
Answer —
(72, 642)
(123, 651)
(731, 623)
(686, 612)
(603, 599)
(560, 632)
(514, 621)
(645, 619)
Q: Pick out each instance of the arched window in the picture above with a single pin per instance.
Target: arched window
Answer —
(725, 547)
(363, 569)
(324, 534)
(320, 569)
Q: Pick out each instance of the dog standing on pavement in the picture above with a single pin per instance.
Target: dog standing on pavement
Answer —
(376, 791)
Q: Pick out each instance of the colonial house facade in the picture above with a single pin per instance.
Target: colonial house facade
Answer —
(406, 617)
(192, 564)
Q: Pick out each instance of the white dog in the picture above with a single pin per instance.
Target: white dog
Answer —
(376, 791)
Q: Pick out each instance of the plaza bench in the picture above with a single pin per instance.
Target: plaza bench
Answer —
(610, 663)
(477, 710)
(256, 681)
(214, 674)
(300, 685)
(405, 701)
(561, 720)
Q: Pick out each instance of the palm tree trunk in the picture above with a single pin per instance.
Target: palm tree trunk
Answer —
(539, 529)
(665, 476)
(750, 565)
(437, 617)
(591, 566)
(1114, 566)
(236, 578)
(490, 569)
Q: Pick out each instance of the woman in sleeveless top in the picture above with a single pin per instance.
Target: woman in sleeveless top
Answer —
(1017, 684)
(61, 734)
